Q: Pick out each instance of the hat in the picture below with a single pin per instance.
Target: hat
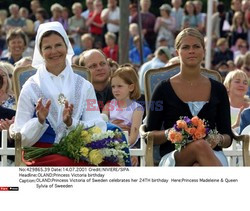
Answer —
(166, 7)
(165, 50)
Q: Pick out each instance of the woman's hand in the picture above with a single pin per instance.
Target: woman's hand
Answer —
(41, 110)
(5, 124)
(67, 113)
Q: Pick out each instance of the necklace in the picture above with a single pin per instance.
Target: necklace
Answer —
(191, 83)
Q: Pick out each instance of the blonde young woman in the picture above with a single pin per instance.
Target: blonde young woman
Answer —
(189, 93)
(236, 83)
(238, 28)
(7, 99)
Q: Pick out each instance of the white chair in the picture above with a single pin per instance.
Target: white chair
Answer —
(141, 152)
(235, 153)
(4, 150)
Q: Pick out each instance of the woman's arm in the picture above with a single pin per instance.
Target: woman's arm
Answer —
(29, 126)
(157, 24)
(106, 109)
(223, 119)
(155, 117)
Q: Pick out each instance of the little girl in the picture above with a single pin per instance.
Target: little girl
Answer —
(123, 110)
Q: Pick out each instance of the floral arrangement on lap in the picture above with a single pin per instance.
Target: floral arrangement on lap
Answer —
(187, 130)
(86, 144)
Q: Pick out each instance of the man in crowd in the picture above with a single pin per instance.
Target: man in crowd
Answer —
(97, 63)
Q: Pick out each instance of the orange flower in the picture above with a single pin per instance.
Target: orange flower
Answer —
(198, 135)
(201, 128)
(190, 130)
(181, 124)
(195, 120)
(174, 137)
(200, 123)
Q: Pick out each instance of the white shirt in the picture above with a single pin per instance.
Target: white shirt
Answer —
(152, 64)
(86, 110)
(113, 15)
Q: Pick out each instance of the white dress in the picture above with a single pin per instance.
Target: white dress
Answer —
(45, 85)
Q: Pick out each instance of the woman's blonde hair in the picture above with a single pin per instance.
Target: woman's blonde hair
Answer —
(234, 21)
(233, 74)
(189, 32)
(9, 84)
(129, 76)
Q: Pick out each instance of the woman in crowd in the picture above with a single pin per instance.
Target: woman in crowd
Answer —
(17, 42)
(54, 100)
(236, 83)
(6, 119)
(190, 94)
(190, 19)
(165, 24)
(238, 28)
(7, 99)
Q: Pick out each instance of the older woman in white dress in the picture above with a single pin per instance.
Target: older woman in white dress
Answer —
(55, 99)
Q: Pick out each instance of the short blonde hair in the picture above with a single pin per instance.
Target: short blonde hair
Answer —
(233, 74)
(76, 4)
(87, 36)
(129, 75)
(56, 6)
(110, 35)
(189, 32)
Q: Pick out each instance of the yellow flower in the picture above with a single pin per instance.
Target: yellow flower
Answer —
(87, 139)
(86, 136)
(84, 133)
(95, 130)
(95, 157)
(84, 151)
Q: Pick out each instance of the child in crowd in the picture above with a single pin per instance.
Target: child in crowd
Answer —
(124, 111)
(111, 50)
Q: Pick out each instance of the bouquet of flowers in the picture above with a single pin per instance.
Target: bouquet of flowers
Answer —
(88, 144)
(187, 130)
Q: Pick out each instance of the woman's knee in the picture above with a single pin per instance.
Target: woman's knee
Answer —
(200, 147)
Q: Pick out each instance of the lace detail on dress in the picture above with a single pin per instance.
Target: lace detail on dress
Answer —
(78, 106)
(53, 113)
(196, 106)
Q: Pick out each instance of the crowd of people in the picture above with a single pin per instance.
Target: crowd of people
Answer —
(90, 38)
